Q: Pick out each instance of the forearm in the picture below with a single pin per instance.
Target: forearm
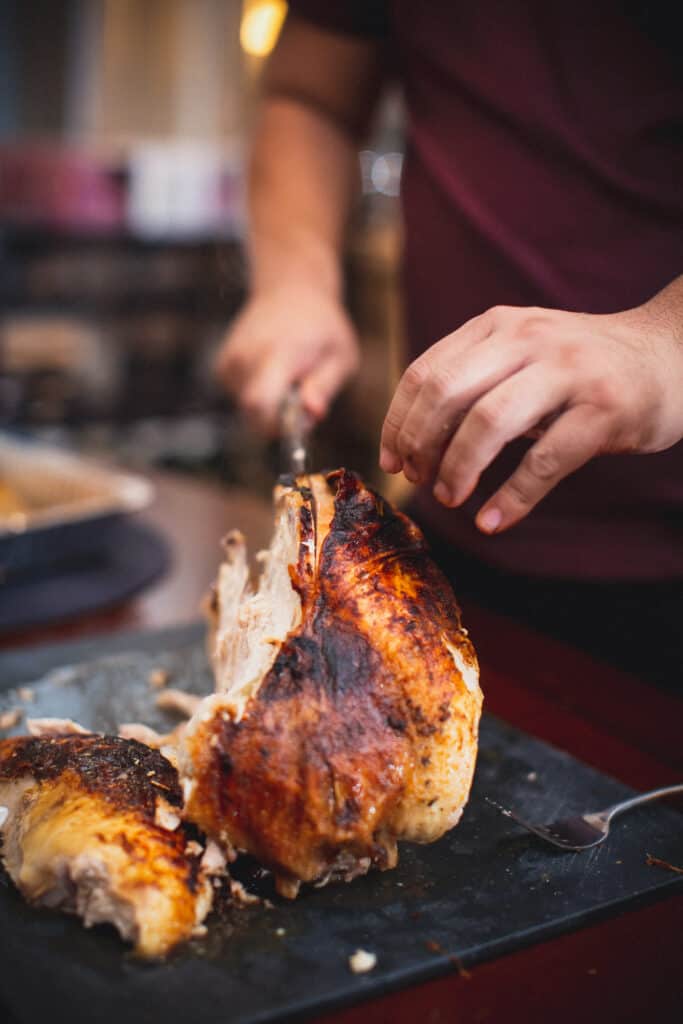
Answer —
(302, 181)
(319, 90)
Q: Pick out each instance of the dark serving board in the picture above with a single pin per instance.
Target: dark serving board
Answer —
(483, 890)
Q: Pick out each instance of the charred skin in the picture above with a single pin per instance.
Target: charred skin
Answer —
(364, 729)
(128, 774)
(311, 770)
(82, 834)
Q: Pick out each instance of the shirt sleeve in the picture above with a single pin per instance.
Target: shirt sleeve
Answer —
(366, 18)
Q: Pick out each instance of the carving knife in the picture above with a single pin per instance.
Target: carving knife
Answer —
(295, 429)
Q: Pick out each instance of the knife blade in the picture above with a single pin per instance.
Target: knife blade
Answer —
(295, 429)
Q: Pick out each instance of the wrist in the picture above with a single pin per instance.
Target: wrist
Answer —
(295, 265)
(664, 311)
(658, 327)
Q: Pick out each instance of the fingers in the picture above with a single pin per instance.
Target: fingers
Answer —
(320, 385)
(505, 412)
(574, 438)
(442, 403)
(262, 397)
(284, 338)
(507, 374)
(429, 366)
(409, 386)
(231, 365)
(260, 384)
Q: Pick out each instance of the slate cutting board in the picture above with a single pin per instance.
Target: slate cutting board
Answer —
(485, 889)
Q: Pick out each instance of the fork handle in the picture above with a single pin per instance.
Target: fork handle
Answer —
(640, 798)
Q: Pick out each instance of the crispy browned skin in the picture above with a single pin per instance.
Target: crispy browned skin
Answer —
(128, 774)
(358, 733)
(86, 832)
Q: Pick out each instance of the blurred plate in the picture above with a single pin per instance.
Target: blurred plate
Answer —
(131, 556)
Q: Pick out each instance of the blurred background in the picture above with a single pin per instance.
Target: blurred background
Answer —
(123, 127)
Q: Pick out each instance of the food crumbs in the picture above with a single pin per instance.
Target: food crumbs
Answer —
(158, 678)
(280, 932)
(361, 961)
(592, 970)
(531, 777)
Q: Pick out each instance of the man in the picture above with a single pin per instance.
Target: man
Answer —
(543, 206)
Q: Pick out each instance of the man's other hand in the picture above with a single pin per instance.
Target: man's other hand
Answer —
(581, 384)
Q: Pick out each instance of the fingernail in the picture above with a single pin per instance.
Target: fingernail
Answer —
(315, 404)
(490, 520)
(389, 462)
(442, 493)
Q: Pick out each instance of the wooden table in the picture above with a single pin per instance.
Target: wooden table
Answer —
(629, 968)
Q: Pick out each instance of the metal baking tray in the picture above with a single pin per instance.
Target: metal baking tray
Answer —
(66, 506)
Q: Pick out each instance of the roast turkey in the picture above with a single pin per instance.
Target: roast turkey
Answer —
(91, 825)
(348, 700)
(345, 719)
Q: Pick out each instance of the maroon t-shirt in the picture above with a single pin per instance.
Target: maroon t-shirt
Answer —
(544, 166)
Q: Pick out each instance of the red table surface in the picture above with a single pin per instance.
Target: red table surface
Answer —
(629, 968)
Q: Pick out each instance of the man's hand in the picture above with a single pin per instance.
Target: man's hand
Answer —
(292, 334)
(582, 384)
